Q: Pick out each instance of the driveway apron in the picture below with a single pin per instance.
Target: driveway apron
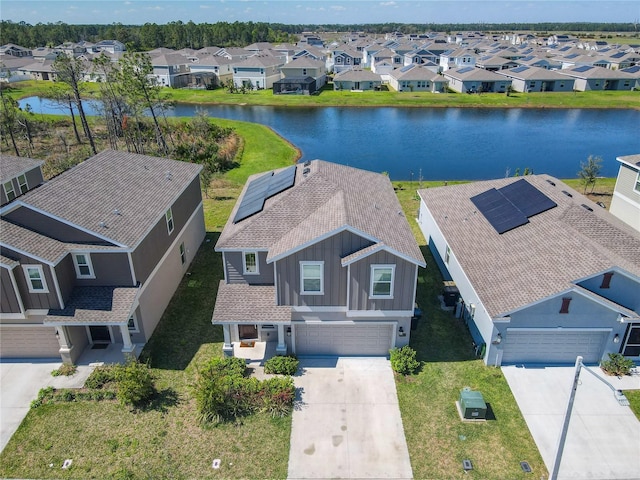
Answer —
(346, 422)
(603, 439)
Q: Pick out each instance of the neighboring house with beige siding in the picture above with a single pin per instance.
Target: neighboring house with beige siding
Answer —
(319, 259)
(625, 203)
(94, 255)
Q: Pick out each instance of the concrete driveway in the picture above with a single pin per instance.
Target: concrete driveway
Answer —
(603, 439)
(347, 423)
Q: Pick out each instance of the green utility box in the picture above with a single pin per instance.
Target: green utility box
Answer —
(472, 404)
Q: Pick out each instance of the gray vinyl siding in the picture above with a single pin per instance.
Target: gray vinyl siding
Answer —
(66, 275)
(403, 285)
(234, 269)
(622, 290)
(50, 227)
(626, 182)
(149, 252)
(331, 251)
(110, 269)
(34, 178)
(9, 299)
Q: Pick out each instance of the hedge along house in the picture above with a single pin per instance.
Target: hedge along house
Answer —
(93, 256)
(319, 258)
(544, 274)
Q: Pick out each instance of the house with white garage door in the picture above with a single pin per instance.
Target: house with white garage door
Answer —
(544, 274)
(92, 257)
(320, 259)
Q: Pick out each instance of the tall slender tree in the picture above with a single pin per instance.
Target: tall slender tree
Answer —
(69, 70)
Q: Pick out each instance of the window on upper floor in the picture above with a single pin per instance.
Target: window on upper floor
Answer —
(133, 324)
(250, 263)
(22, 183)
(312, 278)
(637, 186)
(35, 278)
(382, 278)
(169, 218)
(83, 266)
(9, 191)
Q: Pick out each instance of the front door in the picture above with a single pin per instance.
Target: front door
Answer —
(100, 334)
(248, 332)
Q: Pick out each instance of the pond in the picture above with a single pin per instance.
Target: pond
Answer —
(439, 143)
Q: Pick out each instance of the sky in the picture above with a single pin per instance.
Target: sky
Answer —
(136, 12)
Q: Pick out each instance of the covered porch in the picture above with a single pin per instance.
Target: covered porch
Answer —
(248, 316)
(95, 317)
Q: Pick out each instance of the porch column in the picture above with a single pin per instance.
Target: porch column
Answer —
(227, 348)
(126, 339)
(65, 344)
(281, 349)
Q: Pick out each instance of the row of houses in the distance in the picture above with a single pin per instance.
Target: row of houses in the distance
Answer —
(469, 62)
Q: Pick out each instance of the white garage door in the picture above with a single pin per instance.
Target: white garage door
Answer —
(553, 346)
(318, 339)
(29, 342)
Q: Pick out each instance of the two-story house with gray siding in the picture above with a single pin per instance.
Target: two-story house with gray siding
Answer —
(318, 258)
(18, 175)
(625, 203)
(94, 255)
(544, 274)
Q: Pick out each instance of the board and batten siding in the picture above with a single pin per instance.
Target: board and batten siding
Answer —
(234, 267)
(403, 283)
(330, 251)
(35, 301)
(9, 299)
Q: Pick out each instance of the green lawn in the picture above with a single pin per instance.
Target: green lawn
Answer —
(634, 401)
(329, 97)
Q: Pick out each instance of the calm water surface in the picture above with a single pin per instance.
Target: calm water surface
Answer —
(440, 143)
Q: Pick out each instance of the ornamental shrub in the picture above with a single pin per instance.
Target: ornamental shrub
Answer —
(403, 360)
(277, 395)
(617, 365)
(100, 377)
(134, 383)
(282, 365)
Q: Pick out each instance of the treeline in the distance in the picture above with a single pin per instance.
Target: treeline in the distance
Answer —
(223, 34)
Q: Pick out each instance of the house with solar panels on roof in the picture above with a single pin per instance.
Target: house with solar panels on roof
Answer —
(536, 79)
(587, 77)
(318, 259)
(92, 257)
(543, 273)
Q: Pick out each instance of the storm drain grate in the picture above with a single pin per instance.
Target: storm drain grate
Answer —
(525, 467)
(467, 465)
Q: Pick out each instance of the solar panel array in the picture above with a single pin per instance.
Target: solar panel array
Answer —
(466, 69)
(512, 205)
(262, 188)
(583, 68)
(519, 69)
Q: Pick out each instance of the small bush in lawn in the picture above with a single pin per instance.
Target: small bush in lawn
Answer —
(282, 365)
(100, 377)
(617, 365)
(403, 360)
(134, 383)
(43, 395)
(65, 369)
(277, 396)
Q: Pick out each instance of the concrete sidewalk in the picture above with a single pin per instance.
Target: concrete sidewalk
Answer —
(603, 440)
(347, 422)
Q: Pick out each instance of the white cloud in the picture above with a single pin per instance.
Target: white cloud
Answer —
(156, 8)
(338, 8)
(388, 4)
(204, 7)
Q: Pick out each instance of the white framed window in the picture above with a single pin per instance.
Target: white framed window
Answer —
(382, 279)
(133, 323)
(22, 183)
(312, 278)
(183, 254)
(250, 263)
(637, 186)
(82, 263)
(35, 279)
(9, 191)
(169, 218)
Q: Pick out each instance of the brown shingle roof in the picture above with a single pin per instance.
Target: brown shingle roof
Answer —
(536, 260)
(11, 166)
(241, 302)
(330, 198)
(95, 305)
(140, 188)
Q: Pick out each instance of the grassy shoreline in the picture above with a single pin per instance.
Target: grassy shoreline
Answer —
(367, 99)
